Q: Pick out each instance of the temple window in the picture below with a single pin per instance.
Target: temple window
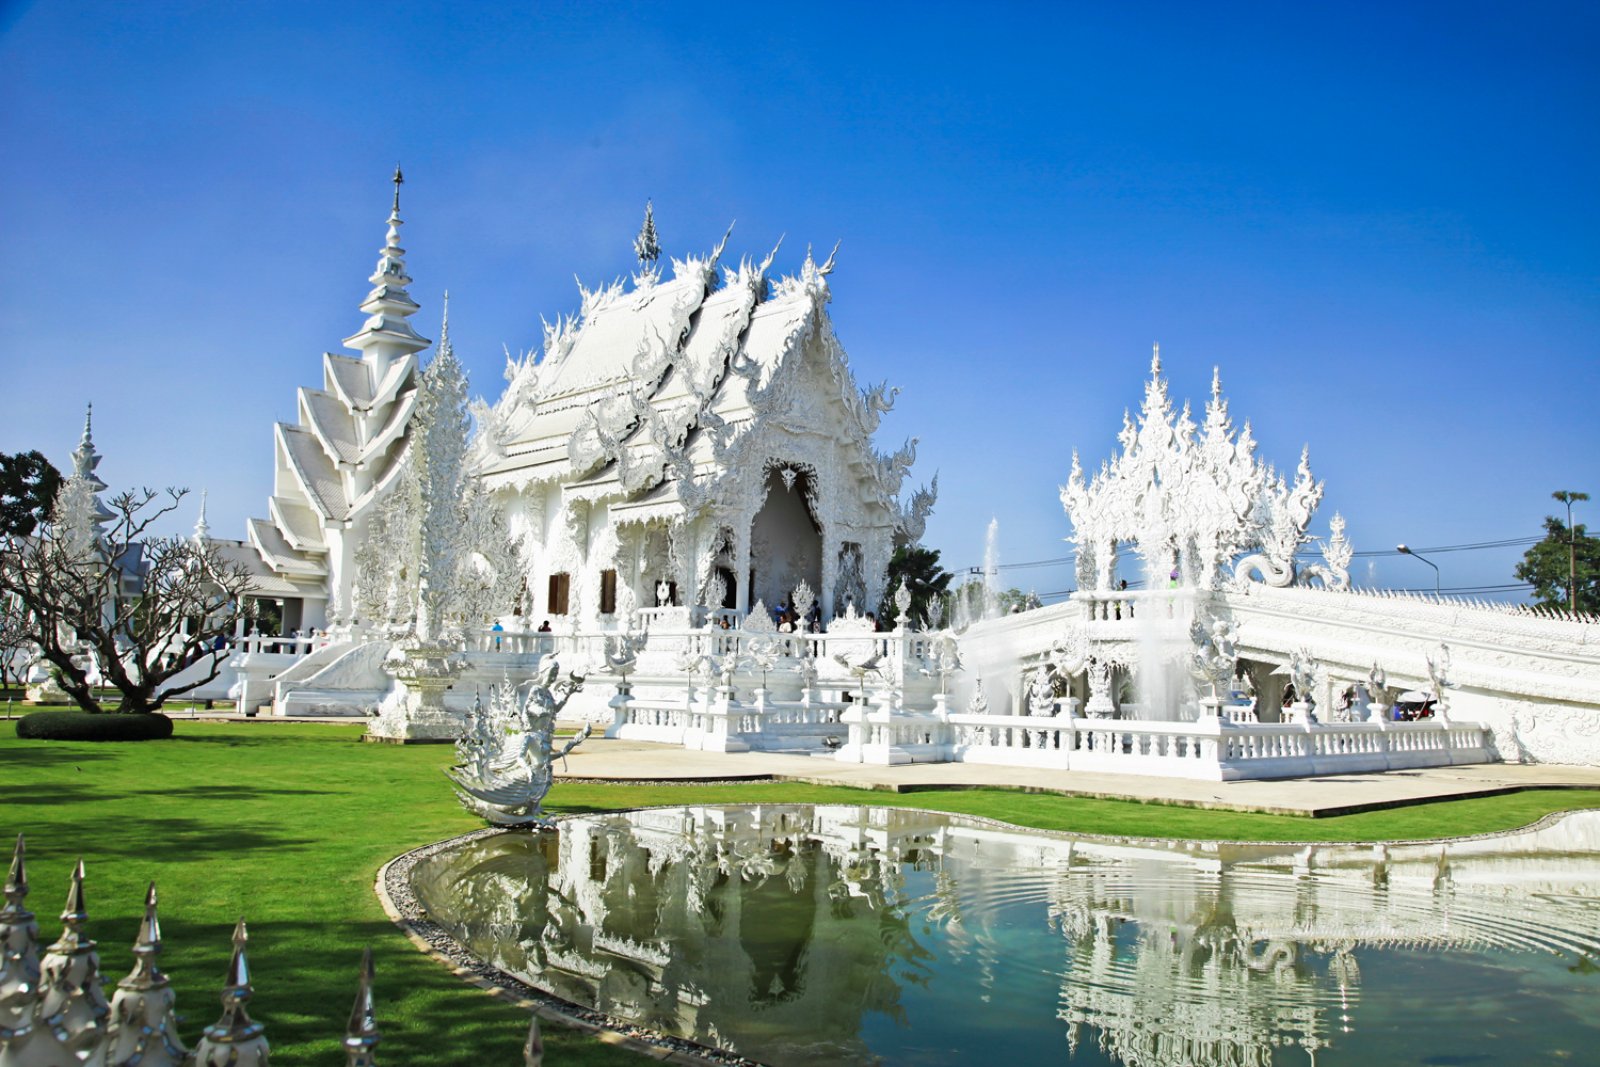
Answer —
(560, 585)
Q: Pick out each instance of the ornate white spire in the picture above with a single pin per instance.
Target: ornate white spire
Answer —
(86, 459)
(79, 509)
(388, 305)
(202, 529)
(444, 326)
(647, 246)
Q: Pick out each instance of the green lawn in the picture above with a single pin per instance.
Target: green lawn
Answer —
(287, 825)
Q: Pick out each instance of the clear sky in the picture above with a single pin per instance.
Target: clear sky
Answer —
(1381, 221)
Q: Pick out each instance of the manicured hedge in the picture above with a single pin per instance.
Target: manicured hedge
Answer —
(82, 726)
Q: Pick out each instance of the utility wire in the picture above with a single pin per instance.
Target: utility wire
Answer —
(1509, 542)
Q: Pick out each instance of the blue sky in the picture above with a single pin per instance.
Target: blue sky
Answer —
(1380, 221)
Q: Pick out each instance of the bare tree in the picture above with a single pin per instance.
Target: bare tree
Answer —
(68, 579)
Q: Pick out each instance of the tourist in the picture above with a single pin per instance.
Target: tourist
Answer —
(497, 630)
(544, 627)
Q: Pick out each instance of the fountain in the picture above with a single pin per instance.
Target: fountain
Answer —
(991, 570)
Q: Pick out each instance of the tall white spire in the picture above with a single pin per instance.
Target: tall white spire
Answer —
(86, 459)
(386, 332)
(79, 504)
(647, 246)
(444, 326)
(202, 529)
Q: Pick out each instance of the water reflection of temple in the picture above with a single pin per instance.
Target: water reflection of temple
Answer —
(791, 928)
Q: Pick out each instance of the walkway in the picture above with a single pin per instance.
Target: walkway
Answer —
(602, 759)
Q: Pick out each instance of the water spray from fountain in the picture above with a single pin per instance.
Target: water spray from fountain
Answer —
(991, 570)
(1158, 695)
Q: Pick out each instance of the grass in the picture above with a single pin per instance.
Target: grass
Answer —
(288, 824)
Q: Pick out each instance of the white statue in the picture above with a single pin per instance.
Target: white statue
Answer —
(1439, 675)
(979, 704)
(1042, 694)
(1215, 657)
(1100, 705)
(1302, 670)
(510, 764)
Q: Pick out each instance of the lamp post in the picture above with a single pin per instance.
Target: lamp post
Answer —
(1568, 497)
(1404, 551)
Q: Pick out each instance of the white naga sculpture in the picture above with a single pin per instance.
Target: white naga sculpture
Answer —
(506, 753)
(1193, 499)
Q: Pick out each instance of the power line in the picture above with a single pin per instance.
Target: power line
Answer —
(1508, 542)
(1516, 587)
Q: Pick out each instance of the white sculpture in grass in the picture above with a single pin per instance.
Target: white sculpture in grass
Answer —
(507, 753)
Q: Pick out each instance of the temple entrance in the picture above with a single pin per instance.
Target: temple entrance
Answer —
(785, 537)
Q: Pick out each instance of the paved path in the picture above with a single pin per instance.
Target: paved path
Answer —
(600, 759)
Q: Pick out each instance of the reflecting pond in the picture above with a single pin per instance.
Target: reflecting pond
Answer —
(857, 935)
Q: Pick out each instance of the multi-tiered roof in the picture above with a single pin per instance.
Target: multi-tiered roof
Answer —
(349, 443)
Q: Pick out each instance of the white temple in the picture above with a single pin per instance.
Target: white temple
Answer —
(690, 452)
(696, 441)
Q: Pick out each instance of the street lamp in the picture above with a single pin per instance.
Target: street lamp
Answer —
(1568, 497)
(1404, 551)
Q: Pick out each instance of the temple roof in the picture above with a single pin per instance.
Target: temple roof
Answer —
(276, 553)
(314, 472)
(637, 377)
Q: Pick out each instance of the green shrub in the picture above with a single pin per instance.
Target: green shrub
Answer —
(82, 726)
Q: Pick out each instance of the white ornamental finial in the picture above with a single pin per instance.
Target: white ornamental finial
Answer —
(444, 325)
(1155, 361)
(202, 530)
(86, 459)
(388, 305)
(647, 246)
